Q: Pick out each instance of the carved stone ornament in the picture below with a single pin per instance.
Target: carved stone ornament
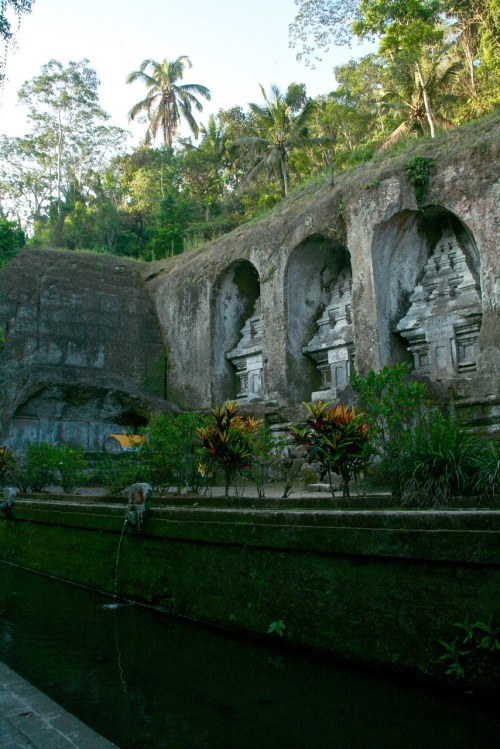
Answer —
(444, 319)
(332, 348)
(247, 357)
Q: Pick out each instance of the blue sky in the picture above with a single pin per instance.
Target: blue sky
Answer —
(233, 44)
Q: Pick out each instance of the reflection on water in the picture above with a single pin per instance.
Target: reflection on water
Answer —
(146, 681)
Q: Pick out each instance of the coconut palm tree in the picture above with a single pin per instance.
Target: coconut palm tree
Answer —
(167, 101)
(279, 131)
(421, 96)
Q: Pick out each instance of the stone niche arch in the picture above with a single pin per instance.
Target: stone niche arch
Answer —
(426, 275)
(236, 334)
(75, 415)
(318, 270)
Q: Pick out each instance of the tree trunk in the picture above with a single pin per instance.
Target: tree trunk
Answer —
(284, 173)
(59, 158)
(427, 104)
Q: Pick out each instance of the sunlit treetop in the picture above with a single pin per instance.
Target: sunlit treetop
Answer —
(321, 25)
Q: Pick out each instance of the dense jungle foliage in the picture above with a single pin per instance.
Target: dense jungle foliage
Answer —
(70, 182)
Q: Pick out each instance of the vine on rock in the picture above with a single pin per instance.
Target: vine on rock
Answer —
(418, 170)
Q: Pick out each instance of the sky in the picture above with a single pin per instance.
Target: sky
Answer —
(233, 44)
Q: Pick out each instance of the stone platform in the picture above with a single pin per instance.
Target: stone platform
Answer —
(31, 720)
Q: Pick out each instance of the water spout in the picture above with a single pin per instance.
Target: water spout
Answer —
(115, 605)
(9, 494)
(138, 496)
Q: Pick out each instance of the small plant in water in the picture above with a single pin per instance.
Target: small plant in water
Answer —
(277, 628)
(474, 655)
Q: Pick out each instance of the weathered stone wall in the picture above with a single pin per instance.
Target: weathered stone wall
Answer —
(369, 224)
(83, 355)
(356, 275)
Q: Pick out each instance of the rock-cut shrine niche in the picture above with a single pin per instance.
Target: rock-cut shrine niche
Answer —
(318, 317)
(332, 348)
(237, 334)
(247, 357)
(75, 415)
(444, 319)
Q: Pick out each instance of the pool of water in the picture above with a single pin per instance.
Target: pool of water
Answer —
(147, 681)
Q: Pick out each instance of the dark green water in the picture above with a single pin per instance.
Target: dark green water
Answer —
(147, 681)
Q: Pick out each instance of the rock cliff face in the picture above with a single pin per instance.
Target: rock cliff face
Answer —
(358, 275)
(353, 276)
(84, 355)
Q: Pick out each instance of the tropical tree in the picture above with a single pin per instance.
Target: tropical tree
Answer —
(54, 167)
(156, 203)
(167, 101)
(351, 113)
(477, 30)
(405, 97)
(408, 31)
(320, 24)
(18, 8)
(26, 177)
(68, 142)
(279, 130)
(204, 164)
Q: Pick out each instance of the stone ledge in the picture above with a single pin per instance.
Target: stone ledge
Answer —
(439, 535)
(28, 718)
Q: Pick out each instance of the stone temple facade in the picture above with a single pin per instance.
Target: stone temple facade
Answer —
(443, 323)
(275, 313)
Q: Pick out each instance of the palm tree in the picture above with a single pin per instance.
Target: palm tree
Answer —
(280, 130)
(167, 101)
(421, 96)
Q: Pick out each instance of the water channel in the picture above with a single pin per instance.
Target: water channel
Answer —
(147, 681)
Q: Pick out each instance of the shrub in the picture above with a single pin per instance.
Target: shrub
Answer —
(171, 451)
(487, 468)
(228, 442)
(267, 462)
(436, 461)
(424, 455)
(116, 472)
(7, 462)
(70, 466)
(337, 438)
(36, 467)
(392, 405)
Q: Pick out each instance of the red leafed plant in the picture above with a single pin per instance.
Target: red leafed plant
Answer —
(229, 441)
(336, 437)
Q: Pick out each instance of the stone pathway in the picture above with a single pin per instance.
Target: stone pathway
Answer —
(31, 720)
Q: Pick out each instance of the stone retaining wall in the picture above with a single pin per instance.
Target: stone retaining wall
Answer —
(378, 587)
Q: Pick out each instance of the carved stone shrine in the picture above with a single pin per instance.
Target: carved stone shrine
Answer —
(332, 348)
(443, 323)
(247, 357)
